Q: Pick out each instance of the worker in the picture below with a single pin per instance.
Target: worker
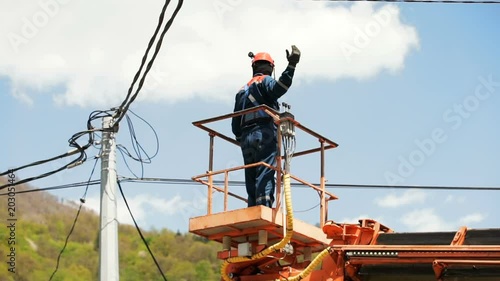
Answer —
(256, 132)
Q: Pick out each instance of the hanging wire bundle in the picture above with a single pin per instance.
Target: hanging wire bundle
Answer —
(288, 135)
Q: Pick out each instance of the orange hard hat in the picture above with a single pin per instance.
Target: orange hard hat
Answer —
(263, 56)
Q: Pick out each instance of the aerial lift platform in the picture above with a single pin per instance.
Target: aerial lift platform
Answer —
(261, 243)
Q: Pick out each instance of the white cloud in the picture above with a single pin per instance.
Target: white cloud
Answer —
(22, 96)
(356, 219)
(143, 205)
(472, 218)
(90, 50)
(411, 196)
(426, 220)
(352, 219)
(454, 199)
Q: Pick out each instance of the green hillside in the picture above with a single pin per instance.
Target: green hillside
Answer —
(44, 222)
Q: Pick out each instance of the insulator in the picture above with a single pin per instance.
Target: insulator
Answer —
(287, 127)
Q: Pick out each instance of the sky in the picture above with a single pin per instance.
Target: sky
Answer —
(409, 91)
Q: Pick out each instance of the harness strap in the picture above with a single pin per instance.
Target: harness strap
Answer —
(254, 116)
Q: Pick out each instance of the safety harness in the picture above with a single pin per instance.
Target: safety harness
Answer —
(256, 116)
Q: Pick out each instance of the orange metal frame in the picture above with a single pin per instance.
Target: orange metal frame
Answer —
(207, 178)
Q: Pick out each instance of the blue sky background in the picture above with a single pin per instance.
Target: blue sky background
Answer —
(377, 120)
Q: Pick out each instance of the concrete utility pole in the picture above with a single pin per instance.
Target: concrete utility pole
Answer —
(108, 235)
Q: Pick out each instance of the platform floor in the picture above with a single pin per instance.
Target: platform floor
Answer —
(243, 225)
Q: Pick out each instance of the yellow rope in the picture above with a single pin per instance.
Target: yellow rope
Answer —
(311, 266)
(281, 244)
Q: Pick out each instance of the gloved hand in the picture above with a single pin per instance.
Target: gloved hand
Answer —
(294, 57)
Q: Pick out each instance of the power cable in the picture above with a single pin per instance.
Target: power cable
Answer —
(82, 201)
(328, 185)
(125, 161)
(140, 232)
(63, 186)
(73, 142)
(137, 147)
(124, 107)
(429, 187)
(127, 102)
(144, 58)
(118, 113)
(164, 181)
(154, 132)
(307, 210)
(242, 183)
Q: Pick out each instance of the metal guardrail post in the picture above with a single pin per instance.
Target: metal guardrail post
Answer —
(210, 176)
(323, 208)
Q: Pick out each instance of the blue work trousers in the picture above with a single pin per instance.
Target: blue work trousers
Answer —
(259, 143)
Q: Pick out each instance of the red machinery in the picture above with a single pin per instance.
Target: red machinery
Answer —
(260, 243)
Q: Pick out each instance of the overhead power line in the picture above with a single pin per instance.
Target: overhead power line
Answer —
(117, 113)
(441, 187)
(140, 232)
(141, 154)
(129, 99)
(82, 201)
(73, 142)
(328, 185)
(172, 181)
(55, 187)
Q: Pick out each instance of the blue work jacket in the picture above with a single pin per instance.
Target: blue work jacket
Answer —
(261, 89)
